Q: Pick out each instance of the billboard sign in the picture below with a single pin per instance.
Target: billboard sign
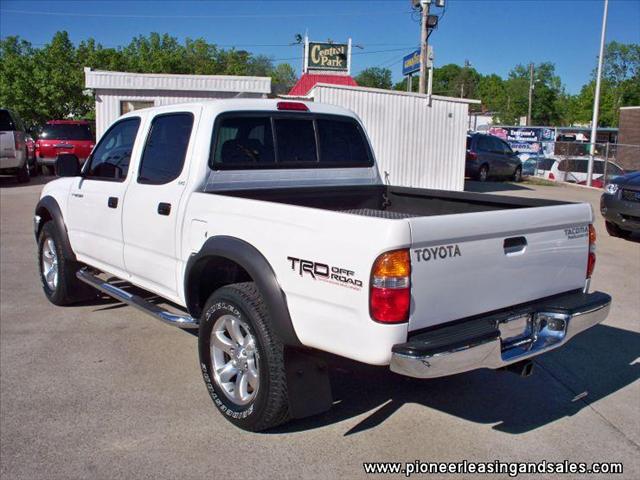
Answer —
(411, 63)
(328, 56)
(533, 140)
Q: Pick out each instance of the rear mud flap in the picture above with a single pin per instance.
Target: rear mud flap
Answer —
(308, 384)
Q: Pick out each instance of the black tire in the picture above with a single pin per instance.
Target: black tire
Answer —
(68, 288)
(615, 231)
(23, 174)
(483, 173)
(33, 170)
(517, 175)
(46, 170)
(269, 406)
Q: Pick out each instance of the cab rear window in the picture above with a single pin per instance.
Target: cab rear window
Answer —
(271, 140)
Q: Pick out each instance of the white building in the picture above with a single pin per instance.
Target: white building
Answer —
(120, 92)
(417, 142)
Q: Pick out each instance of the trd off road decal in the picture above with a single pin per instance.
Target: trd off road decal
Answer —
(576, 232)
(325, 273)
(437, 253)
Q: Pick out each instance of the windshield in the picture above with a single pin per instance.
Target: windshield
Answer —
(66, 131)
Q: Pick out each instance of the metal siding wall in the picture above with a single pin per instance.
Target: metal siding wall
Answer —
(419, 146)
(124, 80)
(108, 102)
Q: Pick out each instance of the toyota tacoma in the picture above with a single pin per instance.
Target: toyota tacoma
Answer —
(264, 224)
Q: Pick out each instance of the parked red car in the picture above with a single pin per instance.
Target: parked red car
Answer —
(63, 136)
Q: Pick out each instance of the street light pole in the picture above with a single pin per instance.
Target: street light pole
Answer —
(530, 94)
(423, 45)
(596, 98)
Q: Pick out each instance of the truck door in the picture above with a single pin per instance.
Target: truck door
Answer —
(94, 215)
(153, 200)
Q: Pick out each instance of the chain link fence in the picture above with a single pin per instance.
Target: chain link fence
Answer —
(569, 162)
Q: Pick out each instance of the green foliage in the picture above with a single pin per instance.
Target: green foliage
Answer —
(620, 86)
(375, 77)
(283, 78)
(48, 83)
(45, 83)
(552, 105)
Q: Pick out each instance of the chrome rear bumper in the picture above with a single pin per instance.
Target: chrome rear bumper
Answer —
(501, 339)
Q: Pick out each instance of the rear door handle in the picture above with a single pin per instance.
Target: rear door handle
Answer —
(514, 245)
(164, 208)
(113, 202)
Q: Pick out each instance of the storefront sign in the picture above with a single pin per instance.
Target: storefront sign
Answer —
(411, 63)
(328, 56)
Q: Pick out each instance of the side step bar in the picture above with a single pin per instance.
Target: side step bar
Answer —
(181, 321)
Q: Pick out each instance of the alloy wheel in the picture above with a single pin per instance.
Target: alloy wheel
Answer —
(234, 358)
(50, 263)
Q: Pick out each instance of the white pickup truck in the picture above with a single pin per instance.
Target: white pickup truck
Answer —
(265, 225)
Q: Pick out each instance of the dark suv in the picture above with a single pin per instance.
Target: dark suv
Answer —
(489, 156)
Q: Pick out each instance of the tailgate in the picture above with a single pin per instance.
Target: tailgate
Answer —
(467, 264)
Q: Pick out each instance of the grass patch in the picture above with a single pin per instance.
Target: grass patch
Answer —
(539, 181)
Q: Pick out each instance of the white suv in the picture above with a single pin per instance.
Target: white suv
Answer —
(13, 146)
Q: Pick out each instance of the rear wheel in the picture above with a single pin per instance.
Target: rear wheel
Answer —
(23, 173)
(517, 175)
(242, 360)
(615, 231)
(483, 173)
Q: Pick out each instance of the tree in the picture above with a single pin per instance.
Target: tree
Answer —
(48, 83)
(402, 85)
(374, 77)
(283, 78)
(16, 66)
(491, 91)
(620, 87)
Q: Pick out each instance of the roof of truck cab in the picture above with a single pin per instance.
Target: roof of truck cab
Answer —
(217, 106)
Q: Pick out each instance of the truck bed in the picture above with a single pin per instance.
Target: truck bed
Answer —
(494, 250)
(390, 202)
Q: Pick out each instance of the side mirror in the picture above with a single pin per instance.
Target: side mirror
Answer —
(67, 165)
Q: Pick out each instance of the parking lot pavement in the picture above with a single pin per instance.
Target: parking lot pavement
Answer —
(103, 391)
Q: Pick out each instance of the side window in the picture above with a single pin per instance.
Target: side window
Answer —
(598, 167)
(496, 145)
(296, 140)
(506, 148)
(614, 169)
(581, 166)
(484, 143)
(166, 148)
(110, 159)
(244, 142)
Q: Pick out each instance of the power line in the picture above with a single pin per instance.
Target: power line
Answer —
(353, 54)
(235, 15)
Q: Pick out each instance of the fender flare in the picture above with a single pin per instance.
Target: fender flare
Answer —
(249, 258)
(49, 205)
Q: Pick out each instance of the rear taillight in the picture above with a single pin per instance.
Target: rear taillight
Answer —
(551, 176)
(19, 141)
(471, 156)
(591, 260)
(390, 295)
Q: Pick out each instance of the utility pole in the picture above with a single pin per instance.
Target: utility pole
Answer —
(424, 4)
(596, 98)
(531, 86)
